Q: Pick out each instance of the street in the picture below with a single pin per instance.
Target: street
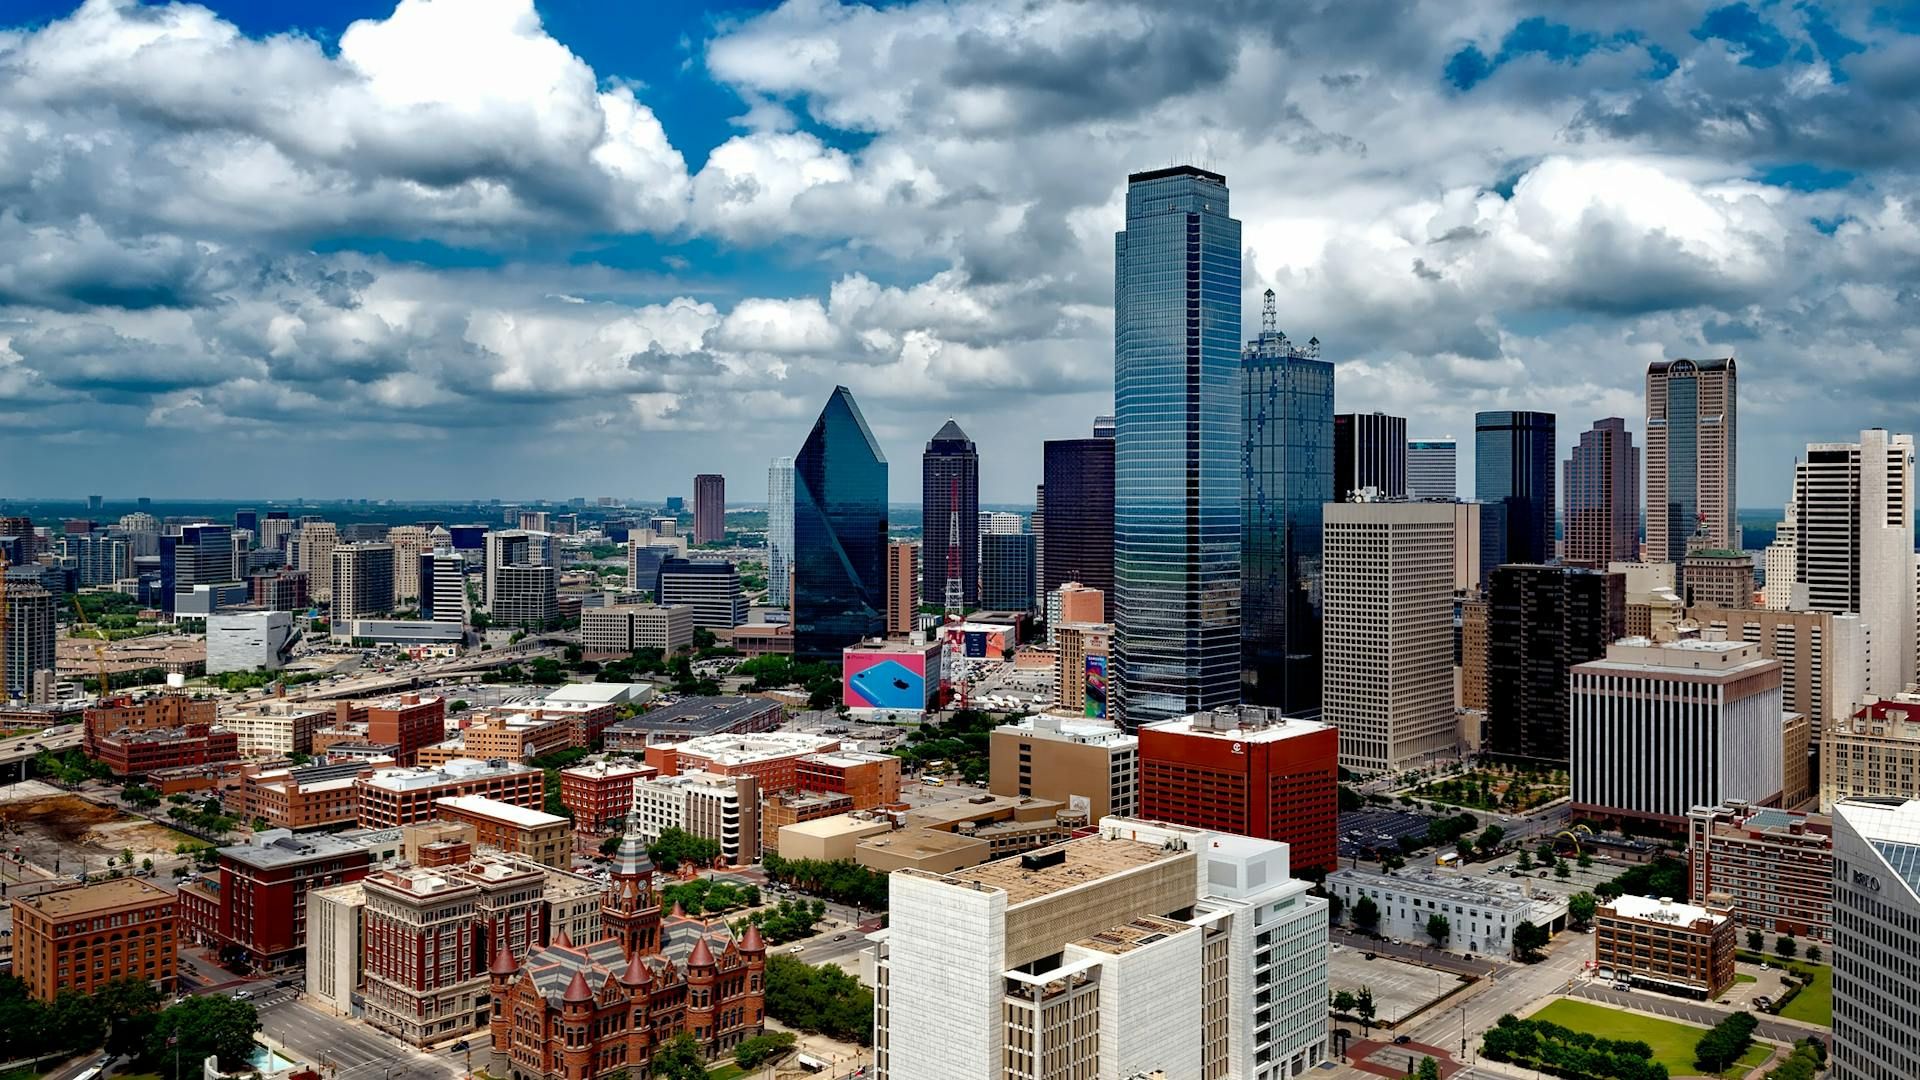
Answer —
(341, 1047)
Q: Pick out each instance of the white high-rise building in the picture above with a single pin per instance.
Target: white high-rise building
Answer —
(409, 543)
(1146, 948)
(1876, 926)
(1432, 468)
(1853, 503)
(1388, 577)
(315, 541)
(779, 532)
(442, 581)
(511, 548)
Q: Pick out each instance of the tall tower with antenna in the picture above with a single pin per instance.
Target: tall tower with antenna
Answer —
(950, 519)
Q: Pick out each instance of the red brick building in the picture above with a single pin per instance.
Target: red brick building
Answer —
(772, 758)
(408, 722)
(1246, 770)
(570, 1012)
(254, 906)
(870, 780)
(394, 797)
(136, 753)
(599, 794)
(81, 939)
(154, 712)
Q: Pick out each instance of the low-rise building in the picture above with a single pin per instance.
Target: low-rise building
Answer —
(276, 729)
(400, 796)
(831, 838)
(82, 939)
(866, 778)
(1087, 764)
(1874, 753)
(137, 753)
(1659, 944)
(786, 808)
(888, 676)
(615, 632)
(692, 717)
(1481, 913)
(536, 835)
(308, 797)
(248, 640)
(254, 904)
(599, 794)
(772, 758)
(724, 809)
(1775, 868)
(336, 947)
(954, 835)
(154, 712)
(506, 734)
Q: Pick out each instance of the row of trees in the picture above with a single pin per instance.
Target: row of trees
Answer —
(125, 1017)
(824, 1000)
(1664, 876)
(1784, 946)
(963, 739)
(842, 881)
(705, 896)
(789, 920)
(1721, 1046)
(820, 681)
(1577, 1055)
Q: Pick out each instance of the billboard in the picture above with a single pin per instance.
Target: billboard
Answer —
(885, 680)
(1097, 687)
(980, 641)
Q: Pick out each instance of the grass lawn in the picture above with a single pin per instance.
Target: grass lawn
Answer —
(1741, 977)
(726, 1072)
(1672, 1043)
(1814, 1004)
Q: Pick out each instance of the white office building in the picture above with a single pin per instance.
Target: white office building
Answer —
(1146, 948)
(1432, 469)
(1876, 925)
(442, 580)
(1700, 721)
(248, 640)
(1481, 912)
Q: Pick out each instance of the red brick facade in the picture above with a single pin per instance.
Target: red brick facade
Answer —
(136, 753)
(1269, 788)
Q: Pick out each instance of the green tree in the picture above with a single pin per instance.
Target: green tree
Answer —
(1756, 940)
(1585, 860)
(1363, 1008)
(199, 1027)
(1366, 913)
(680, 1059)
(1814, 954)
(1580, 908)
(676, 846)
(822, 999)
(1720, 1047)
(1490, 838)
(1429, 1069)
(757, 1051)
(1334, 907)
(1438, 928)
(1524, 862)
(1785, 947)
(1343, 1002)
(1528, 939)
(1561, 870)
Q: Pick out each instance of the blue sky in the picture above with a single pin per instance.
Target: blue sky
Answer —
(451, 248)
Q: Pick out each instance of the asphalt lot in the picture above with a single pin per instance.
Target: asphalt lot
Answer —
(1378, 829)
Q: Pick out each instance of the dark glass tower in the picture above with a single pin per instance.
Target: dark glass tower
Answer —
(1603, 497)
(1286, 478)
(1077, 475)
(1513, 473)
(1369, 451)
(950, 486)
(839, 533)
(1542, 620)
(1176, 395)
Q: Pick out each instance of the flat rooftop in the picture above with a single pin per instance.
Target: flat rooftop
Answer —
(88, 899)
(979, 806)
(838, 825)
(764, 746)
(501, 811)
(697, 715)
(413, 779)
(1240, 723)
(919, 843)
(279, 847)
(1662, 910)
(1140, 931)
(1067, 729)
(847, 758)
(1087, 860)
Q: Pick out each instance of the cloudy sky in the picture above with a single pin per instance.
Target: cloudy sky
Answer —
(498, 248)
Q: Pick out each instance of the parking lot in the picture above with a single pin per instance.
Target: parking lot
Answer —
(1005, 687)
(1378, 830)
(1399, 989)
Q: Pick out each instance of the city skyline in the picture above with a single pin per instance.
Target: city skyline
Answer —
(699, 231)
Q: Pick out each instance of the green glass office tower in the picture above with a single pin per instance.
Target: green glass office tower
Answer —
(839, 533)
(1177, 442)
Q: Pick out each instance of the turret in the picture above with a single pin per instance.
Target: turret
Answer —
(576, 1020)
(702, 978)
(502, 973)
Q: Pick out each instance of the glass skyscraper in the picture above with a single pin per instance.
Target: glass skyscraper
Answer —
(779, 531)
(1078, 478)
(1513, 474)
(1286, 478)
(1176, 390)
(839, 533)
(950, 516)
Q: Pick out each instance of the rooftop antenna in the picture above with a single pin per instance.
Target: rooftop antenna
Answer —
(1269, 317)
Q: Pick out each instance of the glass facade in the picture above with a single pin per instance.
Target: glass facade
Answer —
(1513, 474)
(1078, 478)
(1683, 465)
(1176, 645)
(1006, 571)
(839, 533)
(950, 485)
(1286, 479)
(779, 531)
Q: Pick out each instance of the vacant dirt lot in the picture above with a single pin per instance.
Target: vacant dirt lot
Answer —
(73, 830)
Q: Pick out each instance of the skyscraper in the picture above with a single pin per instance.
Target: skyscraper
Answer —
(1692, 429)
(1542, 621)
(1078, 478)
(316, 539)
(1176, 645)
(27, 649)
(709, 508)
(1431, 469)
(1876, 900)
(1603, 497)
(779, 532)
(1513, 459)
(950, 518)
(1006, 571)
(443, 586)
(903, 586)
(362, 584)
(199, 555)
(1853, 513)
(1369, 451)
(1286, 480)
(839, 533)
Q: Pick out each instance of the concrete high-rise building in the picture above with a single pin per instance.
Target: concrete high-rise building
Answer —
(514, 547)
(839, 533)
(950, 517)
(709, 508)
(1390, 575)
(1078, 478)
(1876, 905)
(1823, 656)
(442, 581)
(1780, 565)
(1513, 476)
(524, 595)
(409, 543)
(1369, 451)
(1603, 497)
(362, 583)
(143, 533)
(903, 586)
(1433, 469)
(1874, 753)
(315, 540)
(1476, 645)
(1714, 578)
(1701, 722)
(1039, 530)
(1286, 478)
(1080, 666)
(1083, 764)
(1542, 620)
(1854, 507)
(1006, 571)
(779, 533)
(1692, 438)
(100, 558)
(1145, 947)
(1178, 436)
(27, 649)
(1246, 770)
(198, 555)
(710, 586)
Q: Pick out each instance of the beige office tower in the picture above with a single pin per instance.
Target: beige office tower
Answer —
(1854, 508)
(1780, 562)
(362, 584)
(317, 541)
(903, 586)
(1692, 428)
(409, 543)
(1389, 574)
(1823, 656)
(1654, 606)
(1080, 685)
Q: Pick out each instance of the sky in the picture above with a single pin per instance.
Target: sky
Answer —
(499, 248)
